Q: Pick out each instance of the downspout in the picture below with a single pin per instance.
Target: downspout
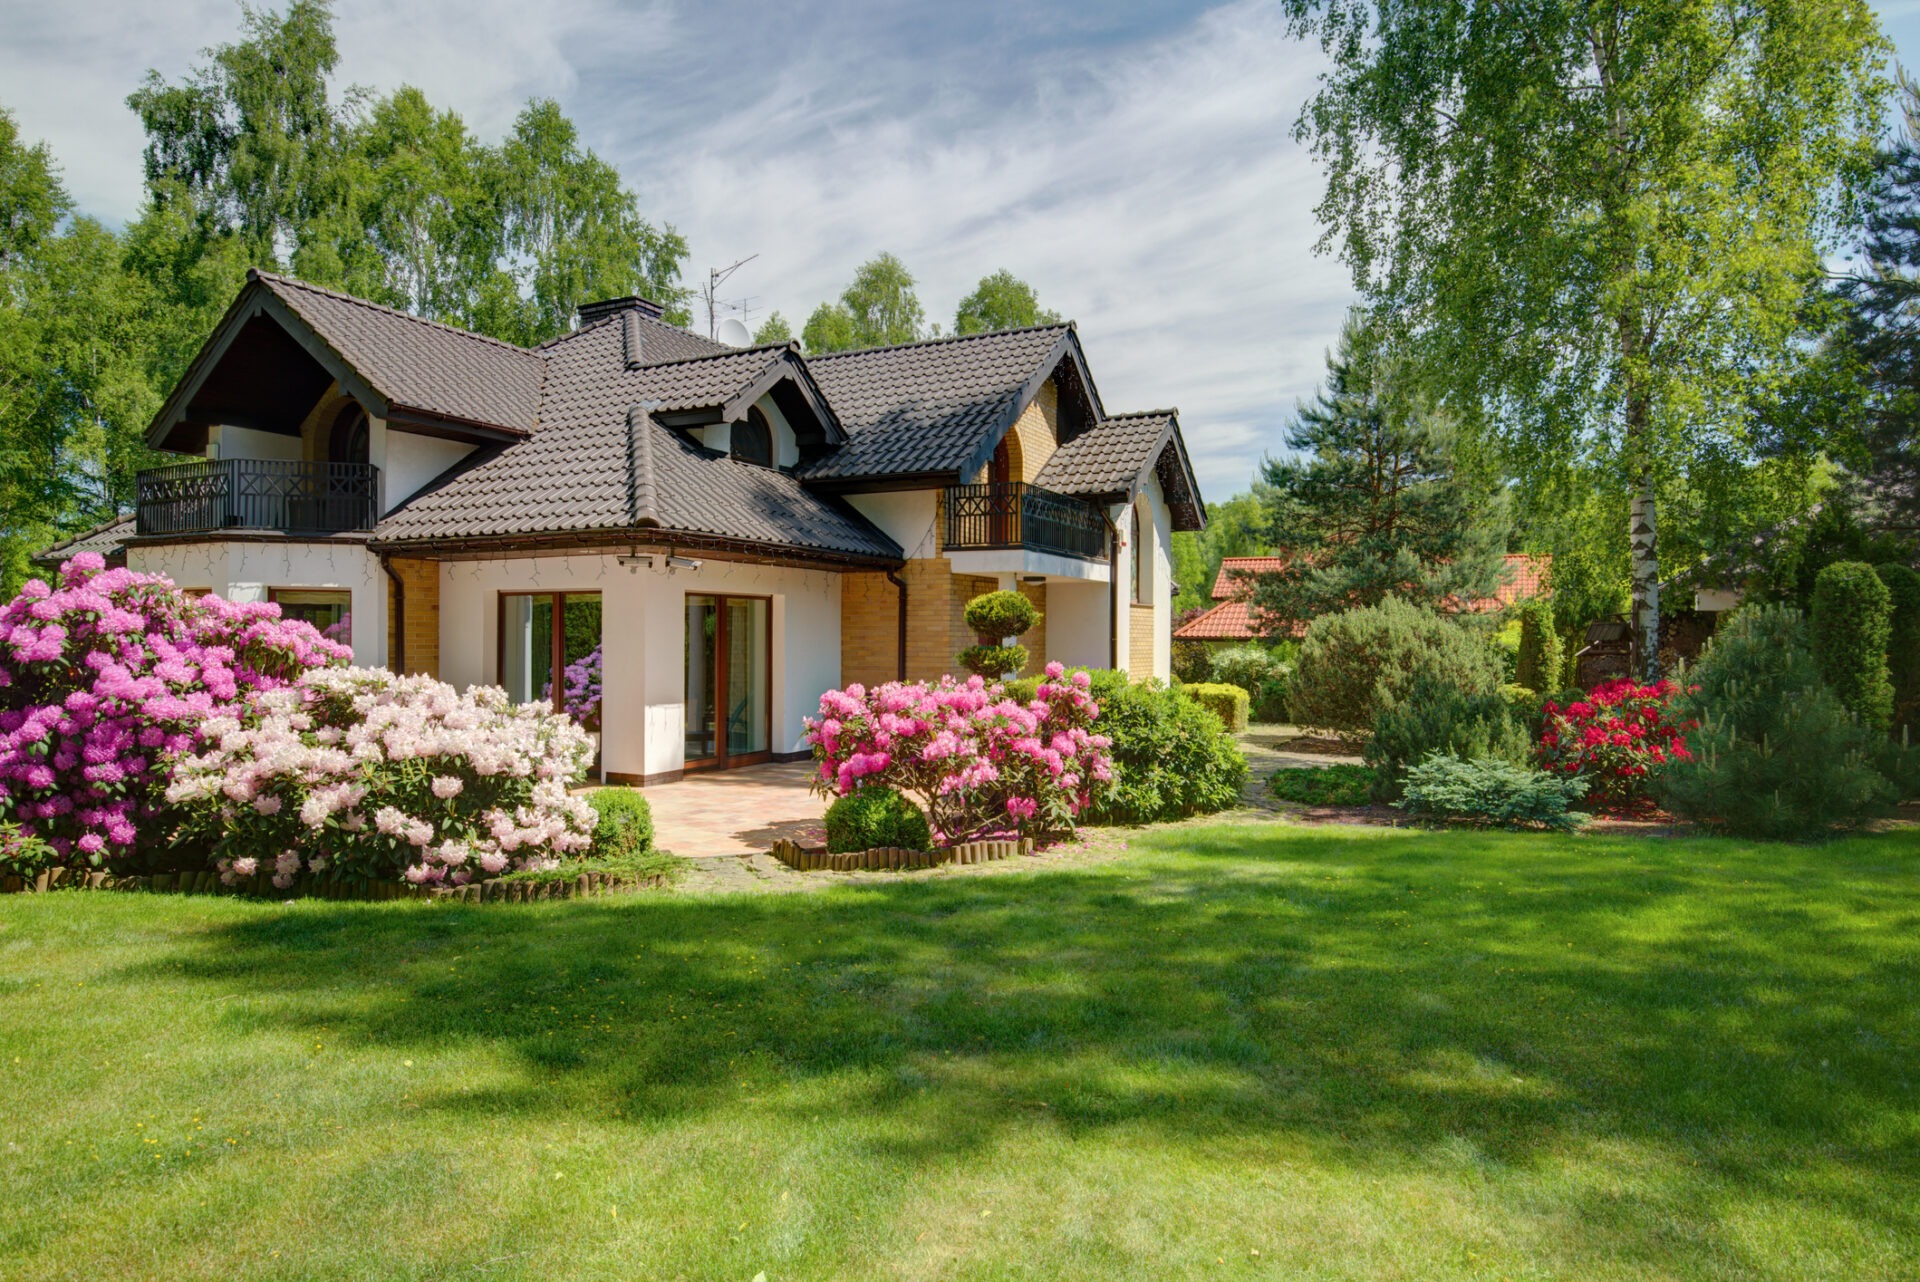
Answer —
(397, 661)
(893, 577)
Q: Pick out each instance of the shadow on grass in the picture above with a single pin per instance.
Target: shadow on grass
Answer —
(1375, 999)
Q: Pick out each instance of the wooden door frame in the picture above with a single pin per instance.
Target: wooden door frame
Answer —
(724, 760)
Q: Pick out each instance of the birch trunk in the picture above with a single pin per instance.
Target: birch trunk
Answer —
(1646, 577)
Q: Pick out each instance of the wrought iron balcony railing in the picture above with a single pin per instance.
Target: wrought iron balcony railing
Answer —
(1014, 514)
(256, 494)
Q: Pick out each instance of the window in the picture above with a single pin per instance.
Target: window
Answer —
(351, 438)
(329, 610)
(550, 651)
(1142, 563)
(753, 439)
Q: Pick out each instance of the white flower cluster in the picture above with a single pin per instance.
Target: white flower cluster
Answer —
(372, 774)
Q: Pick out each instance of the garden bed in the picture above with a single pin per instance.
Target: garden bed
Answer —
(819, 859)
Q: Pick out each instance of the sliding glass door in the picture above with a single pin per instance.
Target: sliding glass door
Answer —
(729, 666)
(550, 651)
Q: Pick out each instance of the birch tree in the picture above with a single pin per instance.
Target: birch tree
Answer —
(1598, 219)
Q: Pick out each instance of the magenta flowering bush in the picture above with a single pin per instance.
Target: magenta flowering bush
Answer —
(580, 690)
(108, 671)
(356, 772)
(977, 760)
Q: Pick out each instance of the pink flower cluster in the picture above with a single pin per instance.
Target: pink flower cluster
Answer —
(107, 672)
(369, 774)
(580, 693)
(977, 760)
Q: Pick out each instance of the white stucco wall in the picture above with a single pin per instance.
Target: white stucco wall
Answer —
(411, 461)
(1157, 567)
(643, 637)
(247, 571)
(228, 441)
(906, 516)
(1078, 622)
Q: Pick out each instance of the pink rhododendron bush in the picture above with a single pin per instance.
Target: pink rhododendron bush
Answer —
(105, 673)
(976, 760)
(359, 773)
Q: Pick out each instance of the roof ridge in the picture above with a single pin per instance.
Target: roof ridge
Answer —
(945, 338)
(308, 286)
(718, 356)
(1169, 412)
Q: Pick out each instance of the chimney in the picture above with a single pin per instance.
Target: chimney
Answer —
(591, 312)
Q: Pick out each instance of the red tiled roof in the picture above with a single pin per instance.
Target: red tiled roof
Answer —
(1233, 620)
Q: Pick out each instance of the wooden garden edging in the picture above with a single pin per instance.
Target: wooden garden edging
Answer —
(583, 886)
(803, 859)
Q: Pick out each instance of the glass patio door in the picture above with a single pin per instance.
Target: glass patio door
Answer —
(729, 669)
(550, 651)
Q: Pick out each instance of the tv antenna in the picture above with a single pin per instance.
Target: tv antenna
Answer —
(716, 277)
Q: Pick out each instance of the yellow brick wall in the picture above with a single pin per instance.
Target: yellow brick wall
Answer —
(420, 580)
(1139, 642)
(869, 629)
(1036, 434)
(316, 427)
(930, 612)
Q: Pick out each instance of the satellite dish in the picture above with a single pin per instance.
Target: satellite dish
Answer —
(734, 334)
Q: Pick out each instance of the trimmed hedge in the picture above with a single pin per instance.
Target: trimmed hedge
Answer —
(1852, 622)
(876, 818)
(995, 616)
(1171, 757)
(1539, 664)
(625, 824)
(1355, 664)
(1903, 643)
(1227, 702)
(993, 661)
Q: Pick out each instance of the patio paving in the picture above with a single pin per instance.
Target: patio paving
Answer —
(737, 812)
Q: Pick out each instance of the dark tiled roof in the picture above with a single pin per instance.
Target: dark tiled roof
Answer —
(926, 407)
(659, 341)
(594, 467)
(106, 539)
(420, 364)
(1109, 457)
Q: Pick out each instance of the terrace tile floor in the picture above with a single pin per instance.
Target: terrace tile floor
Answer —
(737, 812)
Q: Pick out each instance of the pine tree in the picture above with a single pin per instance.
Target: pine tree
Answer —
(1375, 504)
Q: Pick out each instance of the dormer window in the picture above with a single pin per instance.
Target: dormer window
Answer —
(752, 439)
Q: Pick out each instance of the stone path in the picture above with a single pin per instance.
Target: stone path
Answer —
(1275, 747)
(730, 813)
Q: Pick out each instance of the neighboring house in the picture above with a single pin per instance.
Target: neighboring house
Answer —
(1233, 620)
(682, 542)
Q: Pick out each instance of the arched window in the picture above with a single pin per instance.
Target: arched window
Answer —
(753, 439)
(351, 437)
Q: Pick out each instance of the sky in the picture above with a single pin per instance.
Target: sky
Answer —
(1132, 159)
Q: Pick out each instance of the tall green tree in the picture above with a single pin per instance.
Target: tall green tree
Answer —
(1601, 218)
(879, 308)
(774, 329)
(1374, 502)
(1001, 301)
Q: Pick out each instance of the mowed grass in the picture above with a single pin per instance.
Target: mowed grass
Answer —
(1240, 1051)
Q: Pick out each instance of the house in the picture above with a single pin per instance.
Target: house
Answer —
(682, 543)
(1232, 621)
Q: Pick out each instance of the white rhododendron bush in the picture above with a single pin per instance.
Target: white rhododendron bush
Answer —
(352, 772)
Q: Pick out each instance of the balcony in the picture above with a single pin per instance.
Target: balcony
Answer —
(256, 494)
(1014, 514)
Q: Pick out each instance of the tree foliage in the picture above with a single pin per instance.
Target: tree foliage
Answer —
(879, 308)
(1374, 502)
(1001, 301)
(1852, 623)
(1601, 220)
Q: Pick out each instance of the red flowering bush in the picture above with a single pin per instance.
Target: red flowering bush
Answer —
(1619, 738)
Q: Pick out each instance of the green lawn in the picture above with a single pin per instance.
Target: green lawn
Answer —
(1239, 1051)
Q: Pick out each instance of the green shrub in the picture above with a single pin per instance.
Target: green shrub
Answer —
(22, 854)
(1776, 754)
(1227, 702)
(1358, 662)
(1491, 793)
(1335, 785)
(995, 616)
(1171, 757)
(1264, 674)
(1435, 717)
(1903, 642)
(625, 823)
(876, 818)
(1192, 662)
(1024, 689)
(1505, 641)
(1538, 665)
(993, 661)
(1852, 617)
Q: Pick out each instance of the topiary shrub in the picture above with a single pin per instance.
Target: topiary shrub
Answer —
(876, 818)
(1356, 663)
(995, 618)
(624, 825)
(1851, 623)
(1538, 665)
(1903, 642)
(1335, 785)
(1171, 757)
(1264, 674)
(1437, 717)
(1491, 793)
(1227, 702)
(1775, 754)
